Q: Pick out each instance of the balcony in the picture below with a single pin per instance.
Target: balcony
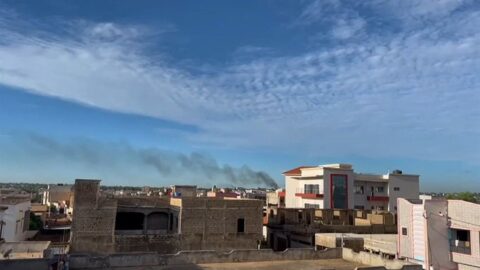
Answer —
(309, 194)
(460, 247)
(377, 198)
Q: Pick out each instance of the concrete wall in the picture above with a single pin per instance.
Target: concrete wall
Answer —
(156, 261)
(26, 264)
(405, 220)
(437, 243)
(409, 189)
(375, 260)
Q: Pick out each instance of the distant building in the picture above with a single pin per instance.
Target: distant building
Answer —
(60, 196)
(106, 224)
(276, 198)
(439, 233)
(14, 217)
(338, 186)
(184, 191)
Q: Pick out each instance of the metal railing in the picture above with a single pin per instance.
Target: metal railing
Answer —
(460, 247)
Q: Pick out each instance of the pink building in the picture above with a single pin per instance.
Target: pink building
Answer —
(439, 234)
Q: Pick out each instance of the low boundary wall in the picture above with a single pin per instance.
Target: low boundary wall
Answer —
(154, 260)
(376, 261)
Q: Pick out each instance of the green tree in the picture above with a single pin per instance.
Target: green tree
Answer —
(466, 196)
(35, 222)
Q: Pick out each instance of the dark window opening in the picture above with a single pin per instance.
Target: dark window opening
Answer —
(460, 241)
(129, 221)
(404, 231)
(309, 205)
(396, 189)
(240, 225)
(311, 189)
(157, 221)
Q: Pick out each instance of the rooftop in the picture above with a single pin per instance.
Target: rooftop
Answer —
(337, 264)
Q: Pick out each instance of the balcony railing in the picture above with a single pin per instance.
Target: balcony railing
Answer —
(460, 247)
(309, 194)
(377, 198)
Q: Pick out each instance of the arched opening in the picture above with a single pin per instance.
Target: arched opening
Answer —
(129, 221)
(157, 221)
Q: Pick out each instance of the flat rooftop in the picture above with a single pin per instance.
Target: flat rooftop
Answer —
(337, 264)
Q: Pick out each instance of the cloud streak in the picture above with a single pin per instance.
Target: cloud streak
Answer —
(415, 91)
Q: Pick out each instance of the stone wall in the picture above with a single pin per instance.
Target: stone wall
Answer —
(203, 223)
(93, 219)
(208, 223)
(156, 261)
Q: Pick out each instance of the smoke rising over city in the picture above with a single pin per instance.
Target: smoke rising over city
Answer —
(122, 163)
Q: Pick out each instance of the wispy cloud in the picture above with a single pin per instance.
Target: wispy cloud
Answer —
(414, 93)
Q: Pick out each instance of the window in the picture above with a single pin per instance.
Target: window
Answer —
(396, 189)
(459, 241)
(338, 186)
(309, 205)
(379, 189)
(311, 189)
(404, 231)
(240, 225)
(359, 190)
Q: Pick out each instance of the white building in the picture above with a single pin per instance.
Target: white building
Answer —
(440, 234)
(60, 196)
(14, 218)
(339, 186)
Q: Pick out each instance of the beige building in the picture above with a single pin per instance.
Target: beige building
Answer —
(104, 224)
(439, 233)
(60, 196)
(339, 186)
(184, 191)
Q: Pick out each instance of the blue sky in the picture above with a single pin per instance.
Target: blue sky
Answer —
(205, 88)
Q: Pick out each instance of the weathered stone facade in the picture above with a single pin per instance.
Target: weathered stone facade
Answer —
(164, 225)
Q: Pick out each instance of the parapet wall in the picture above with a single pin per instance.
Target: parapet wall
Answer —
(375, 260)
(156, 261)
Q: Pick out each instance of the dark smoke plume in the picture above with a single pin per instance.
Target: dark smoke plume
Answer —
(114, 160)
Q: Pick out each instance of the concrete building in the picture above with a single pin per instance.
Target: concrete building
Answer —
(24, 250)
(184, 191)
(439, 233)
(339, 186)
(14, 217)
(165, 225)
(276, 198)
(60, 196)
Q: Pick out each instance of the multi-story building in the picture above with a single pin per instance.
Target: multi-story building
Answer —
(439, 233)
(339, 186)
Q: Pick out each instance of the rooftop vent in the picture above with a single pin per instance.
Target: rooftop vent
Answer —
(397, 172)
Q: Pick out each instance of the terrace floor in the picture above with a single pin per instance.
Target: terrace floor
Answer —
(337, 264)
